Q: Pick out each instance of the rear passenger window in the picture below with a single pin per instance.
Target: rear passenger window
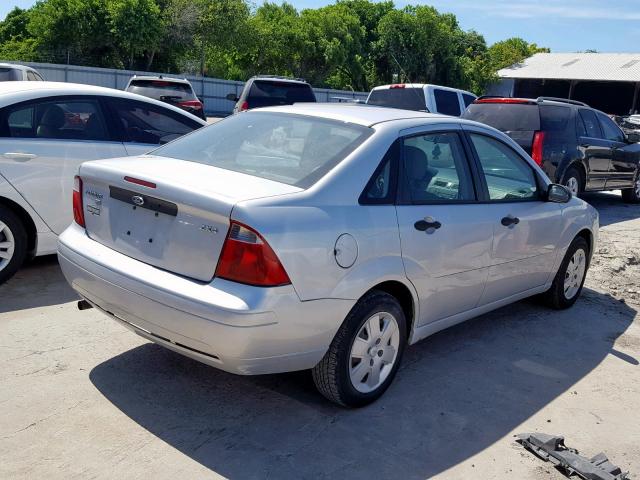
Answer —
(447, 102)
(150, 124)
(508, 176)
(610, 129)
(590, 123)
(436, 170)
(468, 99)
(59, 120)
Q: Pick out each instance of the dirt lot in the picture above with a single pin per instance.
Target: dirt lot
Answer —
(82, 397)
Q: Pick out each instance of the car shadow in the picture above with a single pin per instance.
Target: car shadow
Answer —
(611, 207)
(457, 393)
(39, 283)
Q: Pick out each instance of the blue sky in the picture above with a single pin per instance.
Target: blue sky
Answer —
(562, 25)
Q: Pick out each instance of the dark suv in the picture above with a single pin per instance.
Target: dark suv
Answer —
(574, 144)
(267, 91)
(174, 91)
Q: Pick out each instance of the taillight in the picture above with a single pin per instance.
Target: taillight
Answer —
(398, 85)
(247, 258)
(78, 211)
(195, 104)
(537, 147)
(244, 106)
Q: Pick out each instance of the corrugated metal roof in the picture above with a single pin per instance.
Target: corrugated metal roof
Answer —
(623, 67)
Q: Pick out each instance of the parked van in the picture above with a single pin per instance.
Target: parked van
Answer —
(421, 96)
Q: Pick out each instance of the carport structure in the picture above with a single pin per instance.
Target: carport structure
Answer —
(607, 81)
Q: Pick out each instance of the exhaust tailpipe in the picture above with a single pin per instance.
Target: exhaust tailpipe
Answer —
(84, 305)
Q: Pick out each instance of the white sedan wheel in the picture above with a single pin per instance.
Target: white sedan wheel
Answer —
(7, 245)
(374, 352)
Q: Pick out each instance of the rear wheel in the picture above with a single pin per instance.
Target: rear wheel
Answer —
(632, 195)
(365, 353)
(13, 244)
(568, 282)
(573, 181)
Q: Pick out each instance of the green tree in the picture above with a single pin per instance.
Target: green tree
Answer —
(136, 26)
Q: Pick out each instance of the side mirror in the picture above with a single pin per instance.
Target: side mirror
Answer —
(633, 137)
(558, 193)
(232, 97)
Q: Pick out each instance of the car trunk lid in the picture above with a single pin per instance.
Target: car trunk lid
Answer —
(172, 214)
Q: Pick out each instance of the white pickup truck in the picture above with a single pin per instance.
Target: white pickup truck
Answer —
(422, 96)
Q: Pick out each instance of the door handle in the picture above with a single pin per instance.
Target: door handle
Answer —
(428, 224)
(19, 156)
(508, 221)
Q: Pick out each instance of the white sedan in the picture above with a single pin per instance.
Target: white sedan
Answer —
(47, 130)
(322, 237)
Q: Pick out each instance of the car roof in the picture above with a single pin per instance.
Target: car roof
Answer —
(159, 77)
(16, 66)
(32, 90)
(267, 78)
(365, 115)
(422, 85)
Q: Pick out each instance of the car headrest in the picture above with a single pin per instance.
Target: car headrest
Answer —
(53, 117)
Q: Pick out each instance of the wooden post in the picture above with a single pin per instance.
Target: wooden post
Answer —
(634, 103)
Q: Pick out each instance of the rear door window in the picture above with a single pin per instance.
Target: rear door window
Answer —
(507, 117)
(610, 129)
(64, 119)
(468, 99)
(591, 125)
(265, 94)
(400, 97)
(151, 124)
(447, 102)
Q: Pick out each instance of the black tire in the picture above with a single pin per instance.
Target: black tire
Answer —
(331, 375)
(19, 234)
(575, 174)
(555, 297)
(632, 195)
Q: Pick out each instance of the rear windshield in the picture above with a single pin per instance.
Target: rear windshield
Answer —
(405, 98)
(292, 149)
(507, 117)
(266, 94)
(8, 74)
(162, 85)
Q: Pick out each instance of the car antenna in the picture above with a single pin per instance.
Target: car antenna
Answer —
(402, 70)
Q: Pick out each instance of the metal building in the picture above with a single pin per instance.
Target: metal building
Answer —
(607, 81)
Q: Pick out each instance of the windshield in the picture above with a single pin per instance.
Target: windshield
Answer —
(269, 93)
(293, 149)
(507, 117)
(405, 98)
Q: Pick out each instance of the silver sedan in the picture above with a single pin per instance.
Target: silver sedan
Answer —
(322, 237)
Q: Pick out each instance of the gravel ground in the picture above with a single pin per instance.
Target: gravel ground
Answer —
(82, 397)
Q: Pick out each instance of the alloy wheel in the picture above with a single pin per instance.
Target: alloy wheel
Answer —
(637, 186)
(574, 274)
(573, 185)
(374, 352)
(7, 245)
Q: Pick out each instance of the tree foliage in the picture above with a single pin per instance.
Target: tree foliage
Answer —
(352, 44)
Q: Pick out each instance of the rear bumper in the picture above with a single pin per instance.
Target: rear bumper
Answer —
(237, 328)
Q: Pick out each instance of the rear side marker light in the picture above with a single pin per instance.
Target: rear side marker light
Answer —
(537, 147)
(138, 181)
(247, 258)
(244, 106)
(78, 209)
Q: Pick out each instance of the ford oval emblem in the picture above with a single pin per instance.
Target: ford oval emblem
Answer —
(138, 200)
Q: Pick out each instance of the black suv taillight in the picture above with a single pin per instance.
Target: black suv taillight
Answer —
(537, 147)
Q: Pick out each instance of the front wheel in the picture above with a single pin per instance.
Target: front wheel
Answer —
(365, 353)
(632, 195)
(568, 282)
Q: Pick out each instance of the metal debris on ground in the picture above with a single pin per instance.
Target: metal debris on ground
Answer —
(552, 449)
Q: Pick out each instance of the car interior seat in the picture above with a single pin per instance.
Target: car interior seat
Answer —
(419, 173)
(51, 122)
